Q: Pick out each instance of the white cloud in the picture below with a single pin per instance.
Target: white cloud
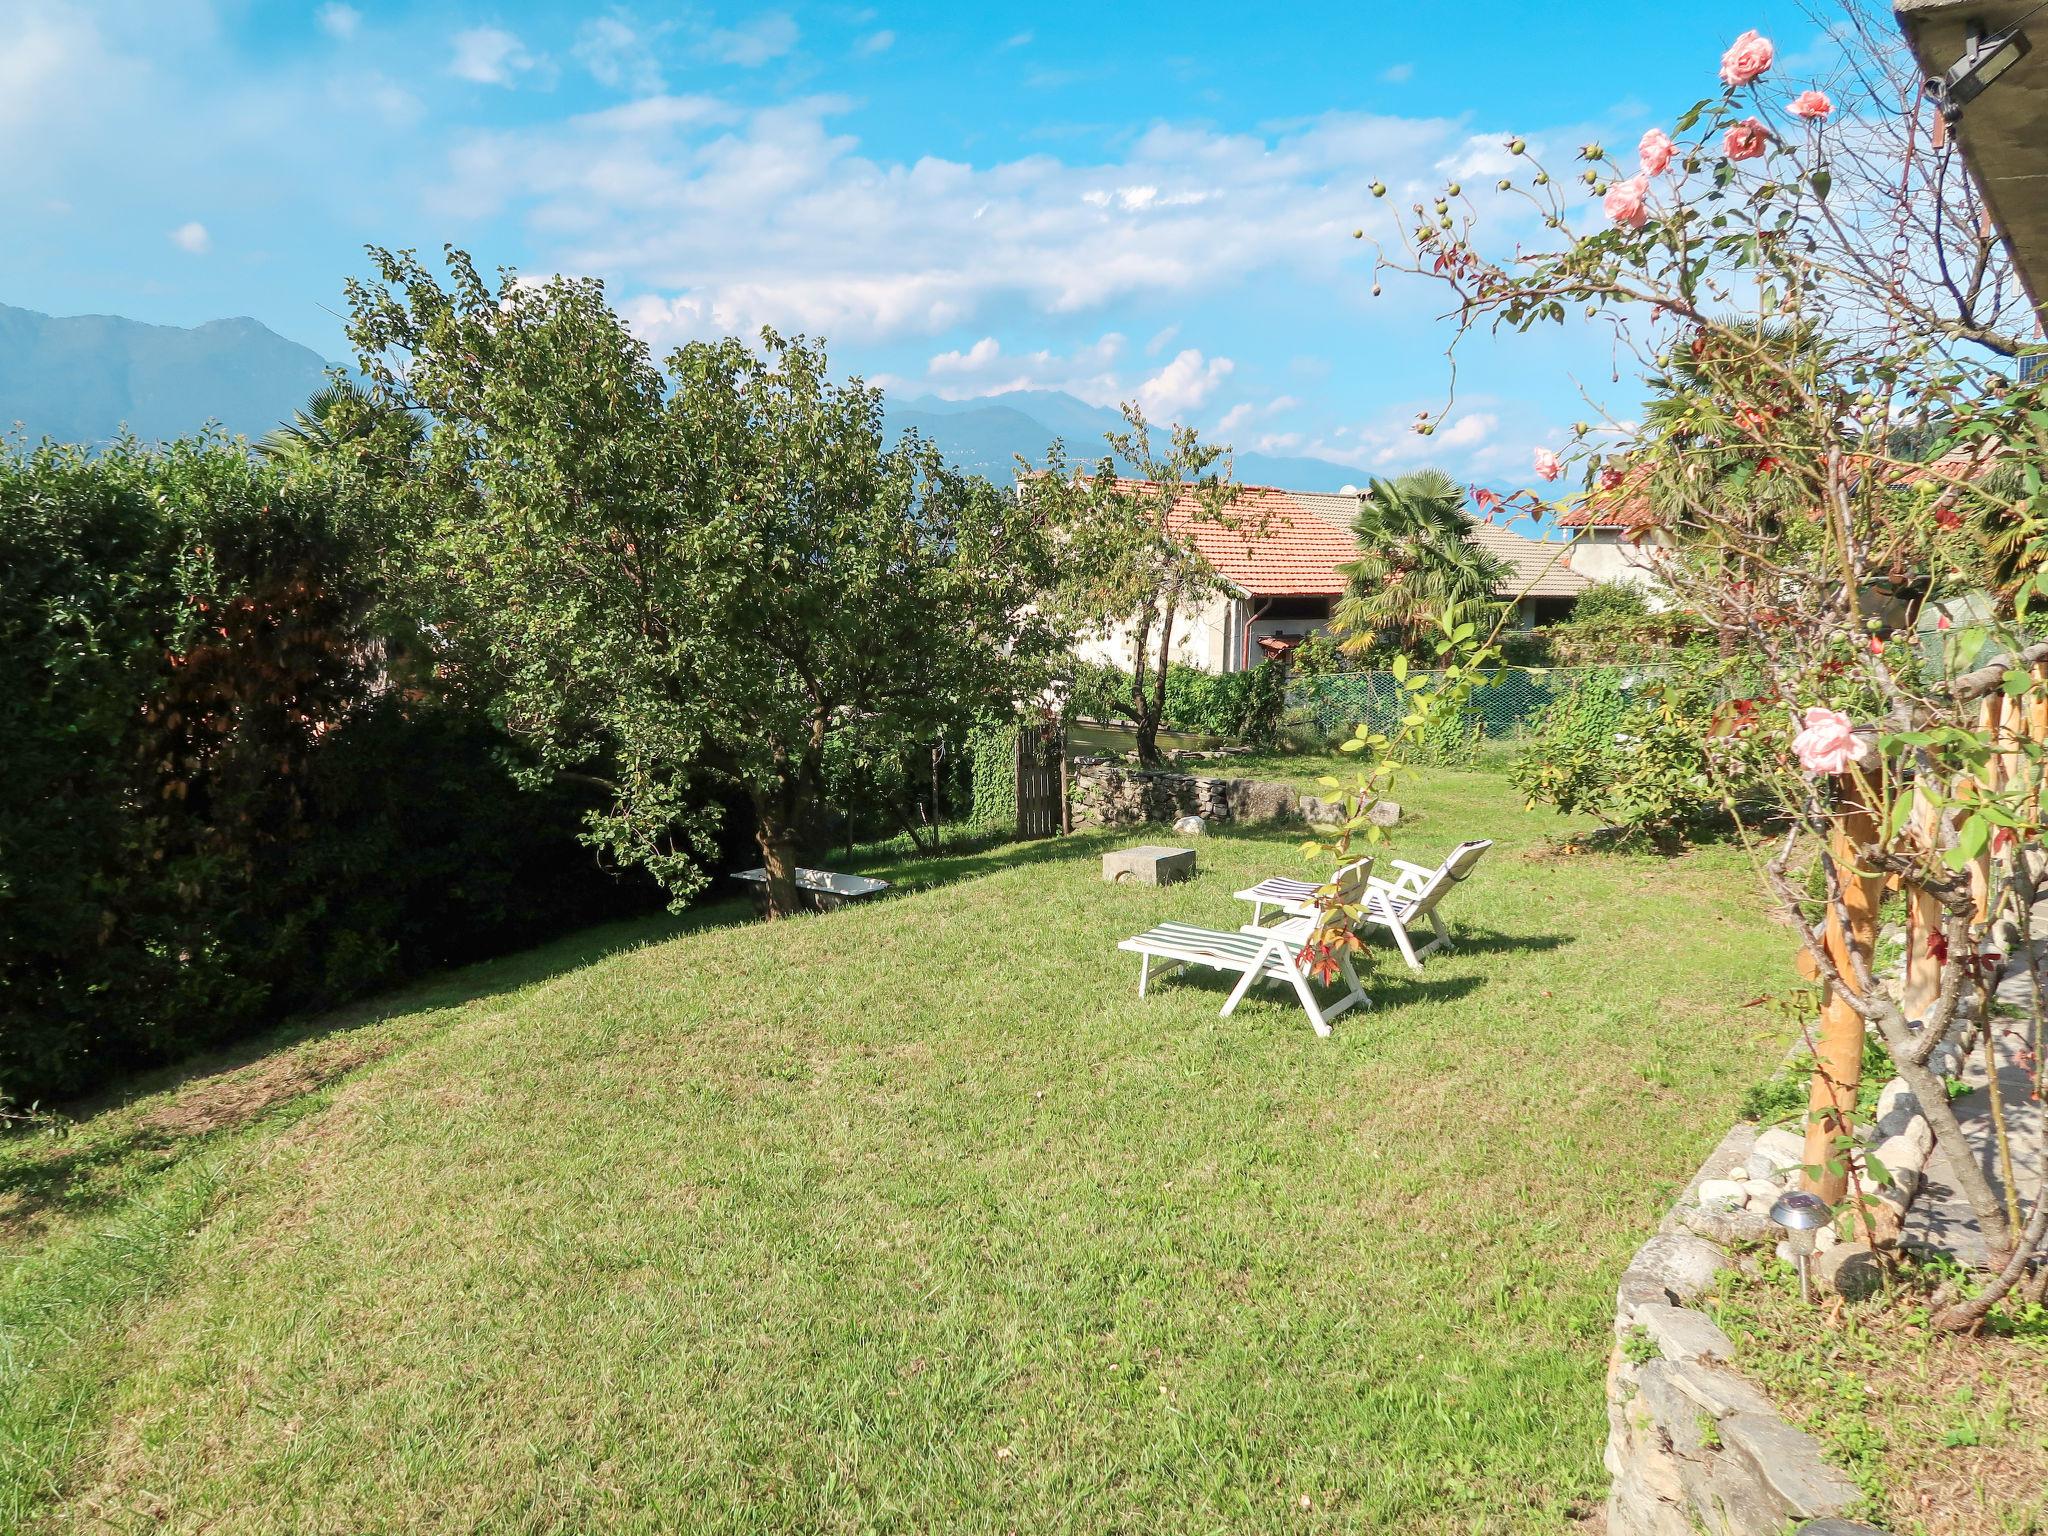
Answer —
(1160, 339)
(617, 55)
(878, 42)
(489, 56)
(192, 237)
(1182, 385)
(1020, 39)
(974, 360)
(1088, 372)
(753, 43)
(737, 217)
(339, 21)
(1398, 74)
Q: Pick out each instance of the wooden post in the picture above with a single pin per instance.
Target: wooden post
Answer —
(1838, 1071)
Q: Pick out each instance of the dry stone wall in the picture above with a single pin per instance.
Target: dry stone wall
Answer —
(1109, 794)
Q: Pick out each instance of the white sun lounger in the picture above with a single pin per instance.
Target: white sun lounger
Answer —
(1266, 956)
(1392, 904)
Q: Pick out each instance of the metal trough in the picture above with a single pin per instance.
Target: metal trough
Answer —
(821, 889)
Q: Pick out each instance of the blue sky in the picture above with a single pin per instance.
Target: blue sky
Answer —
(1120, 200)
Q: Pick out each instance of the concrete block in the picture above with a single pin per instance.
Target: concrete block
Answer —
(1148, 865)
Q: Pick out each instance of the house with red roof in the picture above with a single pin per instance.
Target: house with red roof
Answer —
(1280, 554)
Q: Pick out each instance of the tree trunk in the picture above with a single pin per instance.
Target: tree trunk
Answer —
(1152, 706)
(775, 833)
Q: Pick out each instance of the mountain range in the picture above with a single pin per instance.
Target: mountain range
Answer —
(986, 435)
(82, 378)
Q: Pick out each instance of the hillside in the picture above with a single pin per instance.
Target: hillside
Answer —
(81, 378)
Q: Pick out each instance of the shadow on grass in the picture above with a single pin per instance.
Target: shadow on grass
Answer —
(86, 1162)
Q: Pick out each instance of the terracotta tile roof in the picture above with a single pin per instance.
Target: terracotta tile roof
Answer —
(1541, 570)
(1533, 560)
(1625, 506)
(1280, 548)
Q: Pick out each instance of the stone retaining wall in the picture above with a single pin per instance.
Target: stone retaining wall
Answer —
(1107, 794)
(1692, 1444)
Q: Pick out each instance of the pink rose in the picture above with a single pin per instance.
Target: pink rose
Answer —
(1747, 57)
(1655, 151)
(1746, 140)
(1827, 743)
(1811, 105)
(1624, 201)
(1943, 621)
(1548, 464)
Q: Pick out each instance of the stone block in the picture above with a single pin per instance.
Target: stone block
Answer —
(1384, 813)
(1148, 865)
(1718, 1390)
(1788, 1460)
(1190, 826)
(1683, 1264)
(1730, 1229)
(1683, 1334)
(1785, 1149)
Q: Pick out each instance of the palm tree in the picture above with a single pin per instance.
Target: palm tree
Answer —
(1415, 566)
(337, 414)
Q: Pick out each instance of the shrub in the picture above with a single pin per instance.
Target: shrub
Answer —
(1247, 706)
(1633, 751)
(218, 807)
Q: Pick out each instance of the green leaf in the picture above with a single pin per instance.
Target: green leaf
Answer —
(1821, 181)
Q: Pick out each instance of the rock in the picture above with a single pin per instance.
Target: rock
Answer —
(1834, 1527)
(1908, 1150)
(1384, 813)
(1269, 802)
(1825, 1238)
(1321, 813)
(1728, 1228)
(1683, 1334)
(1671, 1409)
(1724, 1194)
(1148, 865)
(1849, 1269)
(1789, 1463)
(1784, 1149)
(1638, 1287)
(1719, 1390)
(1731, 1488)
(1191, 826)
(1896, 1108)
(1684, 1265)
(1762, 1194)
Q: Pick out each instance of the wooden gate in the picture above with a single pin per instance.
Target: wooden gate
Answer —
(1041, 781)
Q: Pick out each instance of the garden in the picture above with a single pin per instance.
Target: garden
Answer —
(405, 1128)
(902, 1217)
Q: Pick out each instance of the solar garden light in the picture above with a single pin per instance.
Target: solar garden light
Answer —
(1802, 1216)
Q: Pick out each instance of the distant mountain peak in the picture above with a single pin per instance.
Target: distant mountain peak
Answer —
(82, 378)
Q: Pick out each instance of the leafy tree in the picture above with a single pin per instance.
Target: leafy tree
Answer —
(1416, 569)
(1132, 563)
(672, 581)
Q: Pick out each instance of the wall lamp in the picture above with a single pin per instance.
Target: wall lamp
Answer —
(1984, 59)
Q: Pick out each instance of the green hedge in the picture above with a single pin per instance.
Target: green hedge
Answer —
(216, 810)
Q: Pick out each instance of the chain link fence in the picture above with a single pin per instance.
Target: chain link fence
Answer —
(1503, 706)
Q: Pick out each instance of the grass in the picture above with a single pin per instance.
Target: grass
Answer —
(906, 1218)
(1946, 1436)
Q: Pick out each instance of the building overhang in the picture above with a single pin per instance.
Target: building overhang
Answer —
(2004, 131)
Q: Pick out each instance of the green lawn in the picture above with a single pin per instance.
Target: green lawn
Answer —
(911, 1218)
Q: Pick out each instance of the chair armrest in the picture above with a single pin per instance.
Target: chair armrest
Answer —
(1408, 869)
